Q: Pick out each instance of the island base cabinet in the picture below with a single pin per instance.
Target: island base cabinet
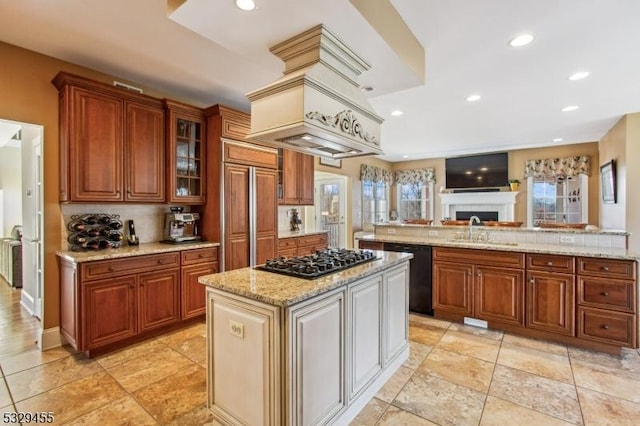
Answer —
(396, 312)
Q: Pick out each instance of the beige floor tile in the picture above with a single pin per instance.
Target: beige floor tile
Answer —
(477, 331)
(605, 410)
(198, 416)
(606, 380)
(176, 338)
(142, 371)
(498, 412)
(460, 369)
(628, 363)
(371, 413)
(550, 397)
(426, 320)
(468, 344)
(545, 364)
(195, 349)
(175, 396)
(541, 345)
(417, 353)
(142, 349)
(440, 401)
(390, 389)
(124, 411)
(425, 334)
(33, 381)
(75, 399)
(33, 358)
(5, 397)
(395, 416)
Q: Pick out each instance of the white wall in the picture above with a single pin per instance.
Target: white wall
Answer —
(10, 169)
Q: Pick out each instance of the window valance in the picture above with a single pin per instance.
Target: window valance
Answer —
(558, 167)
(375, 174)
(413, 176)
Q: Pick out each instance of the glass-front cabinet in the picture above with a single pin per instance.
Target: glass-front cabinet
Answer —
(185, 159)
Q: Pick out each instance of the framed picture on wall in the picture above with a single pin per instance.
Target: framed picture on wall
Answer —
(608, 182)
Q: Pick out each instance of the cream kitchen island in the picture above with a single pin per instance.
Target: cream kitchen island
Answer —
(292, 351)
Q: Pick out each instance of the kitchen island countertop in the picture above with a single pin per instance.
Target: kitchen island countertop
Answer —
(129, 251)
(282, 290)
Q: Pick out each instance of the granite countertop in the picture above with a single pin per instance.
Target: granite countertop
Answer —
(569, 250)
(282, 290)
(292, 234)
(506, 228)
(128, 251)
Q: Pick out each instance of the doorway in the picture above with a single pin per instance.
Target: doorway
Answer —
(21, 215)
(331, 207)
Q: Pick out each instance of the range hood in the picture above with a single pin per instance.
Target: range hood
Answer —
(317, 107)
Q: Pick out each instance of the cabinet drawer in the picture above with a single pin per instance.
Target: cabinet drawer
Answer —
(131, 265)
(370, 245)
(479, 257)
(287, 243)
(252, 155)
(607, 293)
(308, 240)
(609, 268)
(292, 252)
(607, 326)
(550, 263)
(190, 257)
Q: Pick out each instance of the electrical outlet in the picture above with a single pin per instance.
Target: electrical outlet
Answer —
(567, 239)
(391, 231)
(236, 329)
(433, 233)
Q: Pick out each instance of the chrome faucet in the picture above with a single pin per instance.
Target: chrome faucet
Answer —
(471, 220)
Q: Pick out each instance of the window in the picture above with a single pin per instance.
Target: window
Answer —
(374, 202)
(558, 199)
(415, 200)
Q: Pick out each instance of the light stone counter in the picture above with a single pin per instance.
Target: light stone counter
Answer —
(293, 234)
(569, 250)
(129, 251)
(282, 290)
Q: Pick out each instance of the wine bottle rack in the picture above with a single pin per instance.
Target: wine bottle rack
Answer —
(94, 231)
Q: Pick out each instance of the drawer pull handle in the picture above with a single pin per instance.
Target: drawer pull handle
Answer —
(160, 261)
(549, 263)
(605, 293)
(532, 280)
(110, 269)
(200, 255)
(606, 327)
(605, 268)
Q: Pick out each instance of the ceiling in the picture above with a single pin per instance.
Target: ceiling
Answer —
(208, 51)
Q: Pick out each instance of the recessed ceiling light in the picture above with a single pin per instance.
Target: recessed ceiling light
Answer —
(245, 4)
(579, 75)
(396, 113)
(473, 98)
(570, 108)
(521, 40)
(307, 138)
(484, 169)
(366, 88)
(468, 172)
(558, 140)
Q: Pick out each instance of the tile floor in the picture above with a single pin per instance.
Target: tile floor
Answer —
(455, 375)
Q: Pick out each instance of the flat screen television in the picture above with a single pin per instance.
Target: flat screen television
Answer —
(477, 171)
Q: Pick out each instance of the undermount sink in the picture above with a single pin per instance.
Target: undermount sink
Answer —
(483, 243)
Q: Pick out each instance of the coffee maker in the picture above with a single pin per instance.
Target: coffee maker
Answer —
(181, 227)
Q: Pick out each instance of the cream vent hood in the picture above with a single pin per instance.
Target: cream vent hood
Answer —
(317, 107)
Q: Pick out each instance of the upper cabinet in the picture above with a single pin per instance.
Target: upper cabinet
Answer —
(185, 154)
(111, 143)
(295, 178)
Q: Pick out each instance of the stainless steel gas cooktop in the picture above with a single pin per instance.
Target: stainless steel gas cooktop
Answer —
(321, 263)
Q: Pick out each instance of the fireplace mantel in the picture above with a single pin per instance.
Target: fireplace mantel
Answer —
(502, 202)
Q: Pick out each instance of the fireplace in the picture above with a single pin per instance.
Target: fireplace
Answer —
(466, 215)
(478, 204)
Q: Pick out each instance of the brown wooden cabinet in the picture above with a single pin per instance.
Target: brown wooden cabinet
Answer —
(295, 178)
(186, 154)
(370, 245)
(607, 301)
(551, 293)
(479, 284)
(107, 303)
(302, 245)
(111, 143)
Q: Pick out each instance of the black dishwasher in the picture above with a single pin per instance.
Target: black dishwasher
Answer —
(420, 276)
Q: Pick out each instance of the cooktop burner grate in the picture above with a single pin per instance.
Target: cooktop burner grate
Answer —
(321, 263)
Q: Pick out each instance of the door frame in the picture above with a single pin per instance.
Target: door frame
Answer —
(330, 178)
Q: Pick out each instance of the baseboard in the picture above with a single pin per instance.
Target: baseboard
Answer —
(50, 338)
(27, 302)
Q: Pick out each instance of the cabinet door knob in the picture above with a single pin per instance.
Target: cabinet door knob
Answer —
(549, 263)
(605, 268)
(606, 327)
(605, 293)
(532, 280)
(479, 274)
(469, 273)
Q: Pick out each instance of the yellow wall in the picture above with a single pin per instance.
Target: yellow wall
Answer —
(613, 147)
(28, 96)
(632, 224)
